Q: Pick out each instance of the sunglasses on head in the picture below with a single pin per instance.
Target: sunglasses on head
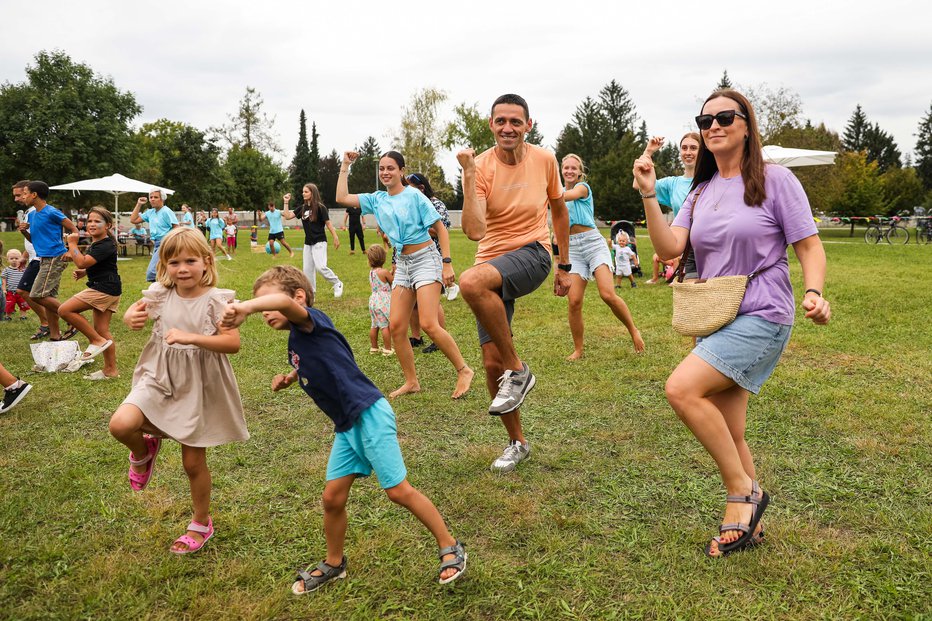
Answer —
(724, 118)
(415, 179)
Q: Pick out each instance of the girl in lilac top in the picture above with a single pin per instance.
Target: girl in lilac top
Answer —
(742, 214)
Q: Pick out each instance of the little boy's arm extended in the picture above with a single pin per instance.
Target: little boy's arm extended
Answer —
(281, 381)
(237, 313)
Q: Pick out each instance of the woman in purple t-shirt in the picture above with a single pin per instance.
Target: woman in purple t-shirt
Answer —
(742, 214)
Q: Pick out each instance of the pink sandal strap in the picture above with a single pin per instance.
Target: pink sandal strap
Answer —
(193, 544)
(204, 529)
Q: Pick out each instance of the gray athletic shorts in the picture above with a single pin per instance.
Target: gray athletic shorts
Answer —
(523, 271)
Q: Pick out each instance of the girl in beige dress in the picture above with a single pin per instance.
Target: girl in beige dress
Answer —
(183, 386)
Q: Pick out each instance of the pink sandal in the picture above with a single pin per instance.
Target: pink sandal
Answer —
(193, 544)
(137, 480)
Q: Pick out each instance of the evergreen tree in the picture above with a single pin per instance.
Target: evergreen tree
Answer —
(328, 172)
(302, 169)
(617, 108)
(924, 150)
(315, 155)
(534, 136)
(643, 136)
(363, 175)
(881, 148)
(725, 82)
(853, 138)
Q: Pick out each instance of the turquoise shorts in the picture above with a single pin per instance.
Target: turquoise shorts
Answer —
(371, 444)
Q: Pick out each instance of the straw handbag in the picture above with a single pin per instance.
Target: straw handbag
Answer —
(700, 307)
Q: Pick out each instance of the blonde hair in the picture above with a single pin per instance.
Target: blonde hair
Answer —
(14, 252)
(191, 241)
(582, 165)
(288, 278)
(376, 255)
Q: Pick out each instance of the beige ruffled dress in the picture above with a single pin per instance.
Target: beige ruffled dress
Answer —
(187, 393)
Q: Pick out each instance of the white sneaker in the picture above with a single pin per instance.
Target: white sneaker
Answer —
(338, 289)
(229, 257)
(513, 455)
(453, 291)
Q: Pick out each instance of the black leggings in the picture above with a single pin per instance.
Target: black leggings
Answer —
(354, 232)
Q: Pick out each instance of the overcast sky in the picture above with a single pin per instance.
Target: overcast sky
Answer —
(353, 65)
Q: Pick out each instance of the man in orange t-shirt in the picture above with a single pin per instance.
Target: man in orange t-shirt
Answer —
(506, 191)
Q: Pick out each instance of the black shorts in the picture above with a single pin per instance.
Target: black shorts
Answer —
(29, 276)
(523, 271)
(276, 236)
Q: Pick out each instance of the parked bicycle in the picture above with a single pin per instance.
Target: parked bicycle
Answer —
(924, 230)
(888, 229)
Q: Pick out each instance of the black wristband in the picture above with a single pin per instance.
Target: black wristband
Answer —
(447, 260)
(565, 267)
(815, 291)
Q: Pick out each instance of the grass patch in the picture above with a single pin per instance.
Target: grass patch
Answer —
(607, 520)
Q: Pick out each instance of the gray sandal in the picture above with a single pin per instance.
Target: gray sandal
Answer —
(312, 583)
(748, 539)
(458, 562)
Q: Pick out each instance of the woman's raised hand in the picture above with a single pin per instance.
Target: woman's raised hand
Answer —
(349, 157)
(644, 174)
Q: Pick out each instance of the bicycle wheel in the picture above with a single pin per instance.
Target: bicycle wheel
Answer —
(872, 235)
(897, 235)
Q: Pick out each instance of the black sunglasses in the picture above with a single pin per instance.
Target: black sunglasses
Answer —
(724, 118)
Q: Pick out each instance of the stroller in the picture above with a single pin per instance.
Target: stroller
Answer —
(628, 227)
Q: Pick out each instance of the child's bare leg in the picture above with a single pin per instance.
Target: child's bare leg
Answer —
(387, 338)
(126, 426)
(71, 311)
(194, 459)
(334, 499)
(373, 338)
(407, 496)
(428, 297)
(102, 326)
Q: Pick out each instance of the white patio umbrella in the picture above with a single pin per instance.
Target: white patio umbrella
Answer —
(797, 157)
(114, 184)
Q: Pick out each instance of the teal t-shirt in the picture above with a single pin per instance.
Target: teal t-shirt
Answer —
(672, 191)
(582, 210)
(404, 218)
(160, 221)
(275, 221)
(216, 228)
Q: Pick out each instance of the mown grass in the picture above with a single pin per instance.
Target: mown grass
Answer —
(607, 520)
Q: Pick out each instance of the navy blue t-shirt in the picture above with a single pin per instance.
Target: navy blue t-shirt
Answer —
(328, 372)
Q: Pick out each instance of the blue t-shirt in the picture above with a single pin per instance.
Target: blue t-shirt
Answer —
(328, 373)
(404, 218)
(582, 209)
(46, 232)
(275, 221)
(160, 222)
(216, 227)
(187, 220)
(672, 191)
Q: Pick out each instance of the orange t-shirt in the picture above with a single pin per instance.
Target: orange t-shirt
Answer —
(516, 200)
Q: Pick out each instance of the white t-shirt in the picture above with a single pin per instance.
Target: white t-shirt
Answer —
(623, 256)
(231, 230)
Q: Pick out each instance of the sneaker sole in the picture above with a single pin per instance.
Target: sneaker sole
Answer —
(17, 399)
(530, 386)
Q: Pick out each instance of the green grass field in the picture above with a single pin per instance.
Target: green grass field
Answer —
(606, 520)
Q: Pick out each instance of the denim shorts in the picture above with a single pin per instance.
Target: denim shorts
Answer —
(523, 271)
(370, 444)
(746, 350)
(419, 268)
(588, 250)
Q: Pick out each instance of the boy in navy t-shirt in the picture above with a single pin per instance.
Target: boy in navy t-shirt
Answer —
(366, 435)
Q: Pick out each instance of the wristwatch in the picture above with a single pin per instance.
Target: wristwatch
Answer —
(566, 267)
(447, 260)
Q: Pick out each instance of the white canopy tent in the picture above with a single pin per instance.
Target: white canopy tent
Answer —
(792, 158)
(114, 184)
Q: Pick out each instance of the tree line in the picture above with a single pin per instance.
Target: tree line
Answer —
(65, 122)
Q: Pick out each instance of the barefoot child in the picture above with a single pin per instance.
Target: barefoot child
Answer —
(366, 435)
(183, 386)
(380, 281)
(102, 295)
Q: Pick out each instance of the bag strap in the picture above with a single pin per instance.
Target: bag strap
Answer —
(681, 268)
(680, 272)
